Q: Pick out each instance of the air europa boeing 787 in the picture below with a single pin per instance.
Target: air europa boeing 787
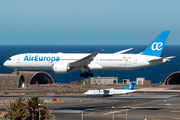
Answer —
(70, 62)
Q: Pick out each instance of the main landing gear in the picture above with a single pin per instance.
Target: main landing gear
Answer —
(86, 74)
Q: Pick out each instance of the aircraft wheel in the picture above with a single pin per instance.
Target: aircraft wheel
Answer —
(86, 75)
(81, 75)
(91, 74)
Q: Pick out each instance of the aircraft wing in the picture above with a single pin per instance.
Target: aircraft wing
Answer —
(123, 51)
(84, 61)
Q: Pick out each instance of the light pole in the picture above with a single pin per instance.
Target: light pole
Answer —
(126, 110)
(113, 112)
(145, 117)
(39, 105)
(82, 115)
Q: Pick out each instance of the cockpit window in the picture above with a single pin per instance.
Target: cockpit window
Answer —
(9, 59)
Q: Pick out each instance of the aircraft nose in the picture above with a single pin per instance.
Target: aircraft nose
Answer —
(6, 64)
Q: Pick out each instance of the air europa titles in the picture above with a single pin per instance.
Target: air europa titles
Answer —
(41, 58)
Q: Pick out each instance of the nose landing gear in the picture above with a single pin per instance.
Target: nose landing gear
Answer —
(17, 72)
(86, 74)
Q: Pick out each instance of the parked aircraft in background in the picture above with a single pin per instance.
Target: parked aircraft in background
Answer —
(71, 62)
(112, 91)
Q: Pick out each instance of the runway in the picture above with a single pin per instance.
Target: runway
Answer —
(151, 106)
(158, 107)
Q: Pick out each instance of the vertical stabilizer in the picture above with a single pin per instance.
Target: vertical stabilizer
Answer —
(131, 86)
(156, 47)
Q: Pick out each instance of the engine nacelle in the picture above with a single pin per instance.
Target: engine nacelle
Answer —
(60, 67)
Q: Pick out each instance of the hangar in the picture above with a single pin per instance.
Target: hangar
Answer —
(173, 79)
(36, 77)
(24, 78)
(11, 80)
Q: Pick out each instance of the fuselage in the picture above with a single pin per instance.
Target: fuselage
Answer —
(44, 61)
(110, 92)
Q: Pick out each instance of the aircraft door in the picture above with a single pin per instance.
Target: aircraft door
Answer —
(106, 92)
(134, 60)
(96, 59)
(18, 60)
(128, 61)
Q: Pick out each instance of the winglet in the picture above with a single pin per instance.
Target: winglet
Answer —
(156, 47)
(131, 86)
(95, 53)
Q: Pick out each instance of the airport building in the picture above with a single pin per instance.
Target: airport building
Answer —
(139, 81)
(29, 78)
(24, 78)
(142, 81)
(173, 79)
(101, 80)
(126, 81)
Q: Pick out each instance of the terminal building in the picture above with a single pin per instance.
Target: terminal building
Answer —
(101, 80)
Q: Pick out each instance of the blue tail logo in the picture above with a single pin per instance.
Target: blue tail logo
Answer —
(156, 47)
(131, 86)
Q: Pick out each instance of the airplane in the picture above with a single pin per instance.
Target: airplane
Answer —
(61, 63)
(112, 91)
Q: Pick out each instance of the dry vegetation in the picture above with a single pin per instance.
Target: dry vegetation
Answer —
(176, 88)
(74, 88)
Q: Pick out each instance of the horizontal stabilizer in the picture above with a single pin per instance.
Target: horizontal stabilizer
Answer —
(170, 57)
(166, 59)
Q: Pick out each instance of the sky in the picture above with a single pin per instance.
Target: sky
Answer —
(88, 22)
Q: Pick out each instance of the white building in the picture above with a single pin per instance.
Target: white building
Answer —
(102, 80)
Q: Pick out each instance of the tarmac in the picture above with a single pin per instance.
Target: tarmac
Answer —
(140, 107)
(145, 104)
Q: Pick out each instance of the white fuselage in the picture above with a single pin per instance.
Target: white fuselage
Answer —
(44, 61)
(110, 92)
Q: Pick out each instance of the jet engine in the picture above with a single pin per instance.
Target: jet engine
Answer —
(60, 67)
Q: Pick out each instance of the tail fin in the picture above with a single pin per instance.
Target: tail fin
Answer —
(131, 86)
(156, 47)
